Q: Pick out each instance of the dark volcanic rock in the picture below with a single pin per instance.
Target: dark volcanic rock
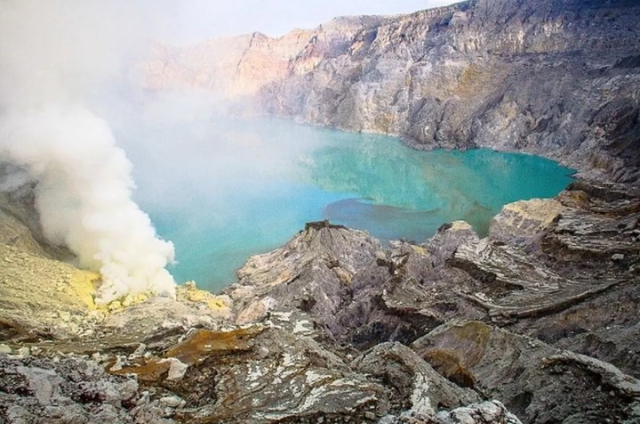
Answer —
(535, 381)
(541, 315)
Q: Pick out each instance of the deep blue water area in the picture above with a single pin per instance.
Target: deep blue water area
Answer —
(223, 190)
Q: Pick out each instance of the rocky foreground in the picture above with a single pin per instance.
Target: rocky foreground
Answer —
(536, 323)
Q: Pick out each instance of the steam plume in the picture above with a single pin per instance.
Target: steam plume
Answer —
(55, 58)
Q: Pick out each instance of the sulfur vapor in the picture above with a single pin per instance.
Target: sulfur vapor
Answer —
(57, 58)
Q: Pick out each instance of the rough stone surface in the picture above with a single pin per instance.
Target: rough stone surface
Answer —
(311, 273)
(526, 276)
(519, 222)
(555, 78)
(540, 316)
(332, 307)
(71, 390)
(39, 295)
(535, 381)
(415, 386)
(485, 412)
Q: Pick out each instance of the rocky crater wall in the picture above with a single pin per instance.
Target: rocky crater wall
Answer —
(554, 78)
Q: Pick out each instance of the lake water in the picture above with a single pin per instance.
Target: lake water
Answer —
(225, 190)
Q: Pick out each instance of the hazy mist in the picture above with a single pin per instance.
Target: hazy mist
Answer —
(58, 59)
(71, 112)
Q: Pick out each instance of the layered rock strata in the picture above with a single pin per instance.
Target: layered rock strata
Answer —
(547, 302)
(537, 323)
(554, 78)
(336, 327)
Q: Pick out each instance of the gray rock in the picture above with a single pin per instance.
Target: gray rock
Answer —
(535, 381)
(482, 413)
(617, 257)
(172, 401)
(491, 74)
(284, 378)
(312, 273)
(419, 389)
(555, 78)
(69, 390)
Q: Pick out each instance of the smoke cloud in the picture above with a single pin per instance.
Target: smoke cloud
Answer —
(58, 58)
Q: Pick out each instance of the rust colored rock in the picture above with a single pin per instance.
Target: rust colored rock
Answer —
(204, 343)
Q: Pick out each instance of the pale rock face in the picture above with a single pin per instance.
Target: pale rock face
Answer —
(492, 73)
(485, 412)
(519, 222)
(241, 66)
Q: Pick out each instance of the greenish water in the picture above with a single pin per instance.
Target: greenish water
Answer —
(225, 190)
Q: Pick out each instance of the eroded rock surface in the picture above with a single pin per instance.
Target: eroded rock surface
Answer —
(529, 276)
(535, 381)
(40, 390)
(319, 329)
(537, 321)
(555, 78)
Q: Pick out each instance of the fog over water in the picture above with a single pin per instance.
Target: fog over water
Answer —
(224, 189)
(127, 178)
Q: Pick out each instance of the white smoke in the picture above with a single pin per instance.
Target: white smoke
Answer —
(57, 57)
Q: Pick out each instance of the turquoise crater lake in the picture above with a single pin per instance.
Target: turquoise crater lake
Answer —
(224, 190)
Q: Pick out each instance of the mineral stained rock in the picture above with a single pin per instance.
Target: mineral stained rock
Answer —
(336, 327)
(537, 322)
(525, 294)
(558, 78)
(534, 380)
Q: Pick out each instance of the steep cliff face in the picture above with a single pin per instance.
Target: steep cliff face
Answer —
(556, 78)
(335, 327)
(550, 78)
(238, 67)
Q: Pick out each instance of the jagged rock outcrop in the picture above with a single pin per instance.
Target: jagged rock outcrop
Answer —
(535, 381)
(554, 78)
(311, 272)
(538, 320)
(163, 360)
(518, 316)
(529, 276)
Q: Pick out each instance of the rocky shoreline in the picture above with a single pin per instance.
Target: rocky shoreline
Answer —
(536, 321)
(553, 78)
